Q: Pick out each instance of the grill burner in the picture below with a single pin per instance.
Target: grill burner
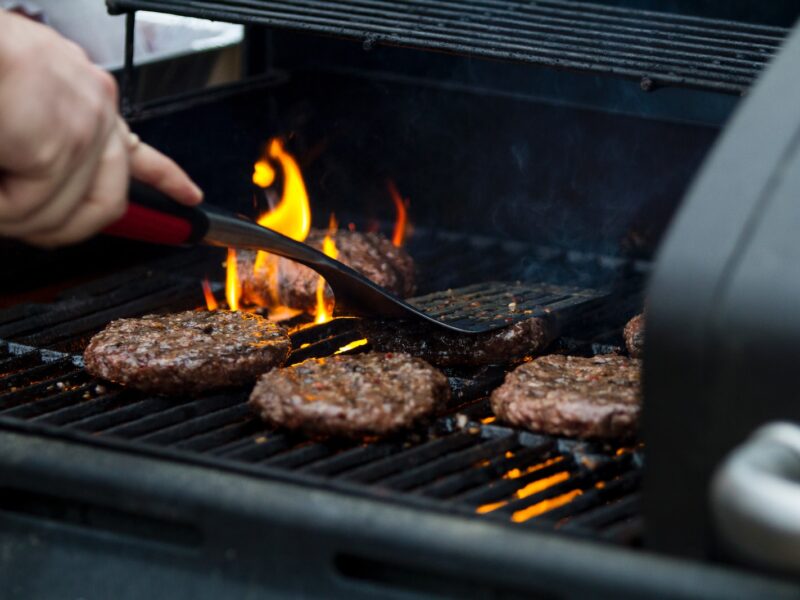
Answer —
(656, 48)
(462, 463)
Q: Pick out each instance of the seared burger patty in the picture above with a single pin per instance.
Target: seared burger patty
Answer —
(634, 336)
(597, 397)
(352, 396)
(187, 352)
(444, 349)
(371, 254)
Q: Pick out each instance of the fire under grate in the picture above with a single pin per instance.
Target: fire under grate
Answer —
(462, 462)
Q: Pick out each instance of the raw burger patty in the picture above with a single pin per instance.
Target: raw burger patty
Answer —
(445, 349)
(187, 352)
(634, 336)
(371, 254)
(363, 394)
(597, 397)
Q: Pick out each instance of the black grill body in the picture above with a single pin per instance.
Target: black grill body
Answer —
(135, 527)
(735, 306)
(516, 173)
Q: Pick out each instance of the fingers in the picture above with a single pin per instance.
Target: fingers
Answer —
(58, 111)
(64, 195)
(104, 203)
(150, 166)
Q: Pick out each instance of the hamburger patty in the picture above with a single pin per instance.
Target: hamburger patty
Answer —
(187, 352)
(634, 336)
(525, 338)
(597, 397)
(371, 254)
(352, 396)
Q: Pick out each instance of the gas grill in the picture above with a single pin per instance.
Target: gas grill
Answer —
(533, 190)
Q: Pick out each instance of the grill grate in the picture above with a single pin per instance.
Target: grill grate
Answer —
(657, 48)
(462, 462)
(458, 464)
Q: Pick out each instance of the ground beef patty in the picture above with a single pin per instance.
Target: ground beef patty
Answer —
(352, 396)
(634, 336)
(525, 338)
(187, 352)
(371, 254)
(597, 397)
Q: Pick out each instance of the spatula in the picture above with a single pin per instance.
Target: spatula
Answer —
(153, 217)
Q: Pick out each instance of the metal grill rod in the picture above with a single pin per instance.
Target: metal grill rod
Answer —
(679, 50)
(512, 21)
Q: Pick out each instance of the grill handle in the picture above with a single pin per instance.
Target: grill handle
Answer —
(755, 498)
(156, 218)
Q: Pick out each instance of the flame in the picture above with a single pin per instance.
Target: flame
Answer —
(211, 302)
(324, 312)
(292, 215)
(542, 484)
(542, 507)
(485, 508)
(233, 287)
(263, 173)
(530, 489)
(517, 473)
(351, 345)
(401, 206)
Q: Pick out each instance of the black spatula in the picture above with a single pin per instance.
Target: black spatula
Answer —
(153, 217)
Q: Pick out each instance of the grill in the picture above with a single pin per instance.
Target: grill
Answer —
(532, 191)
(656, 48)
(461, 463)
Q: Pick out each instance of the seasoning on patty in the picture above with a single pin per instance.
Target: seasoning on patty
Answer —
(634, 336)
(187, 352)
(351, 396)
(597, 397)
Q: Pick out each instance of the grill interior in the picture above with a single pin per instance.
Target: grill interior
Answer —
(657, 48)
(462, 462)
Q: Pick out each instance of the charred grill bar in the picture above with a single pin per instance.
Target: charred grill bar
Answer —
(653, 47)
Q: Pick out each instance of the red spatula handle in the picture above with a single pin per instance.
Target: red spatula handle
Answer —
(156, 218)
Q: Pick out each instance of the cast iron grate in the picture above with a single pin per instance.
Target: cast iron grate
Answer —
(657, 48)
(462, 462)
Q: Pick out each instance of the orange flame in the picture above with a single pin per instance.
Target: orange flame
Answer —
(542, 507)
(233, 287)
(211, 302)
(532, 488)
(263, 173)
(351, 345)
(542, 484)
(292, 215)
(324, 312)
(401, 206)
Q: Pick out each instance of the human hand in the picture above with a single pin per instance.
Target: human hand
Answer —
(65, 154)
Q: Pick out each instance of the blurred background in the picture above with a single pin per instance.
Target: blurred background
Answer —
(172, 54)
